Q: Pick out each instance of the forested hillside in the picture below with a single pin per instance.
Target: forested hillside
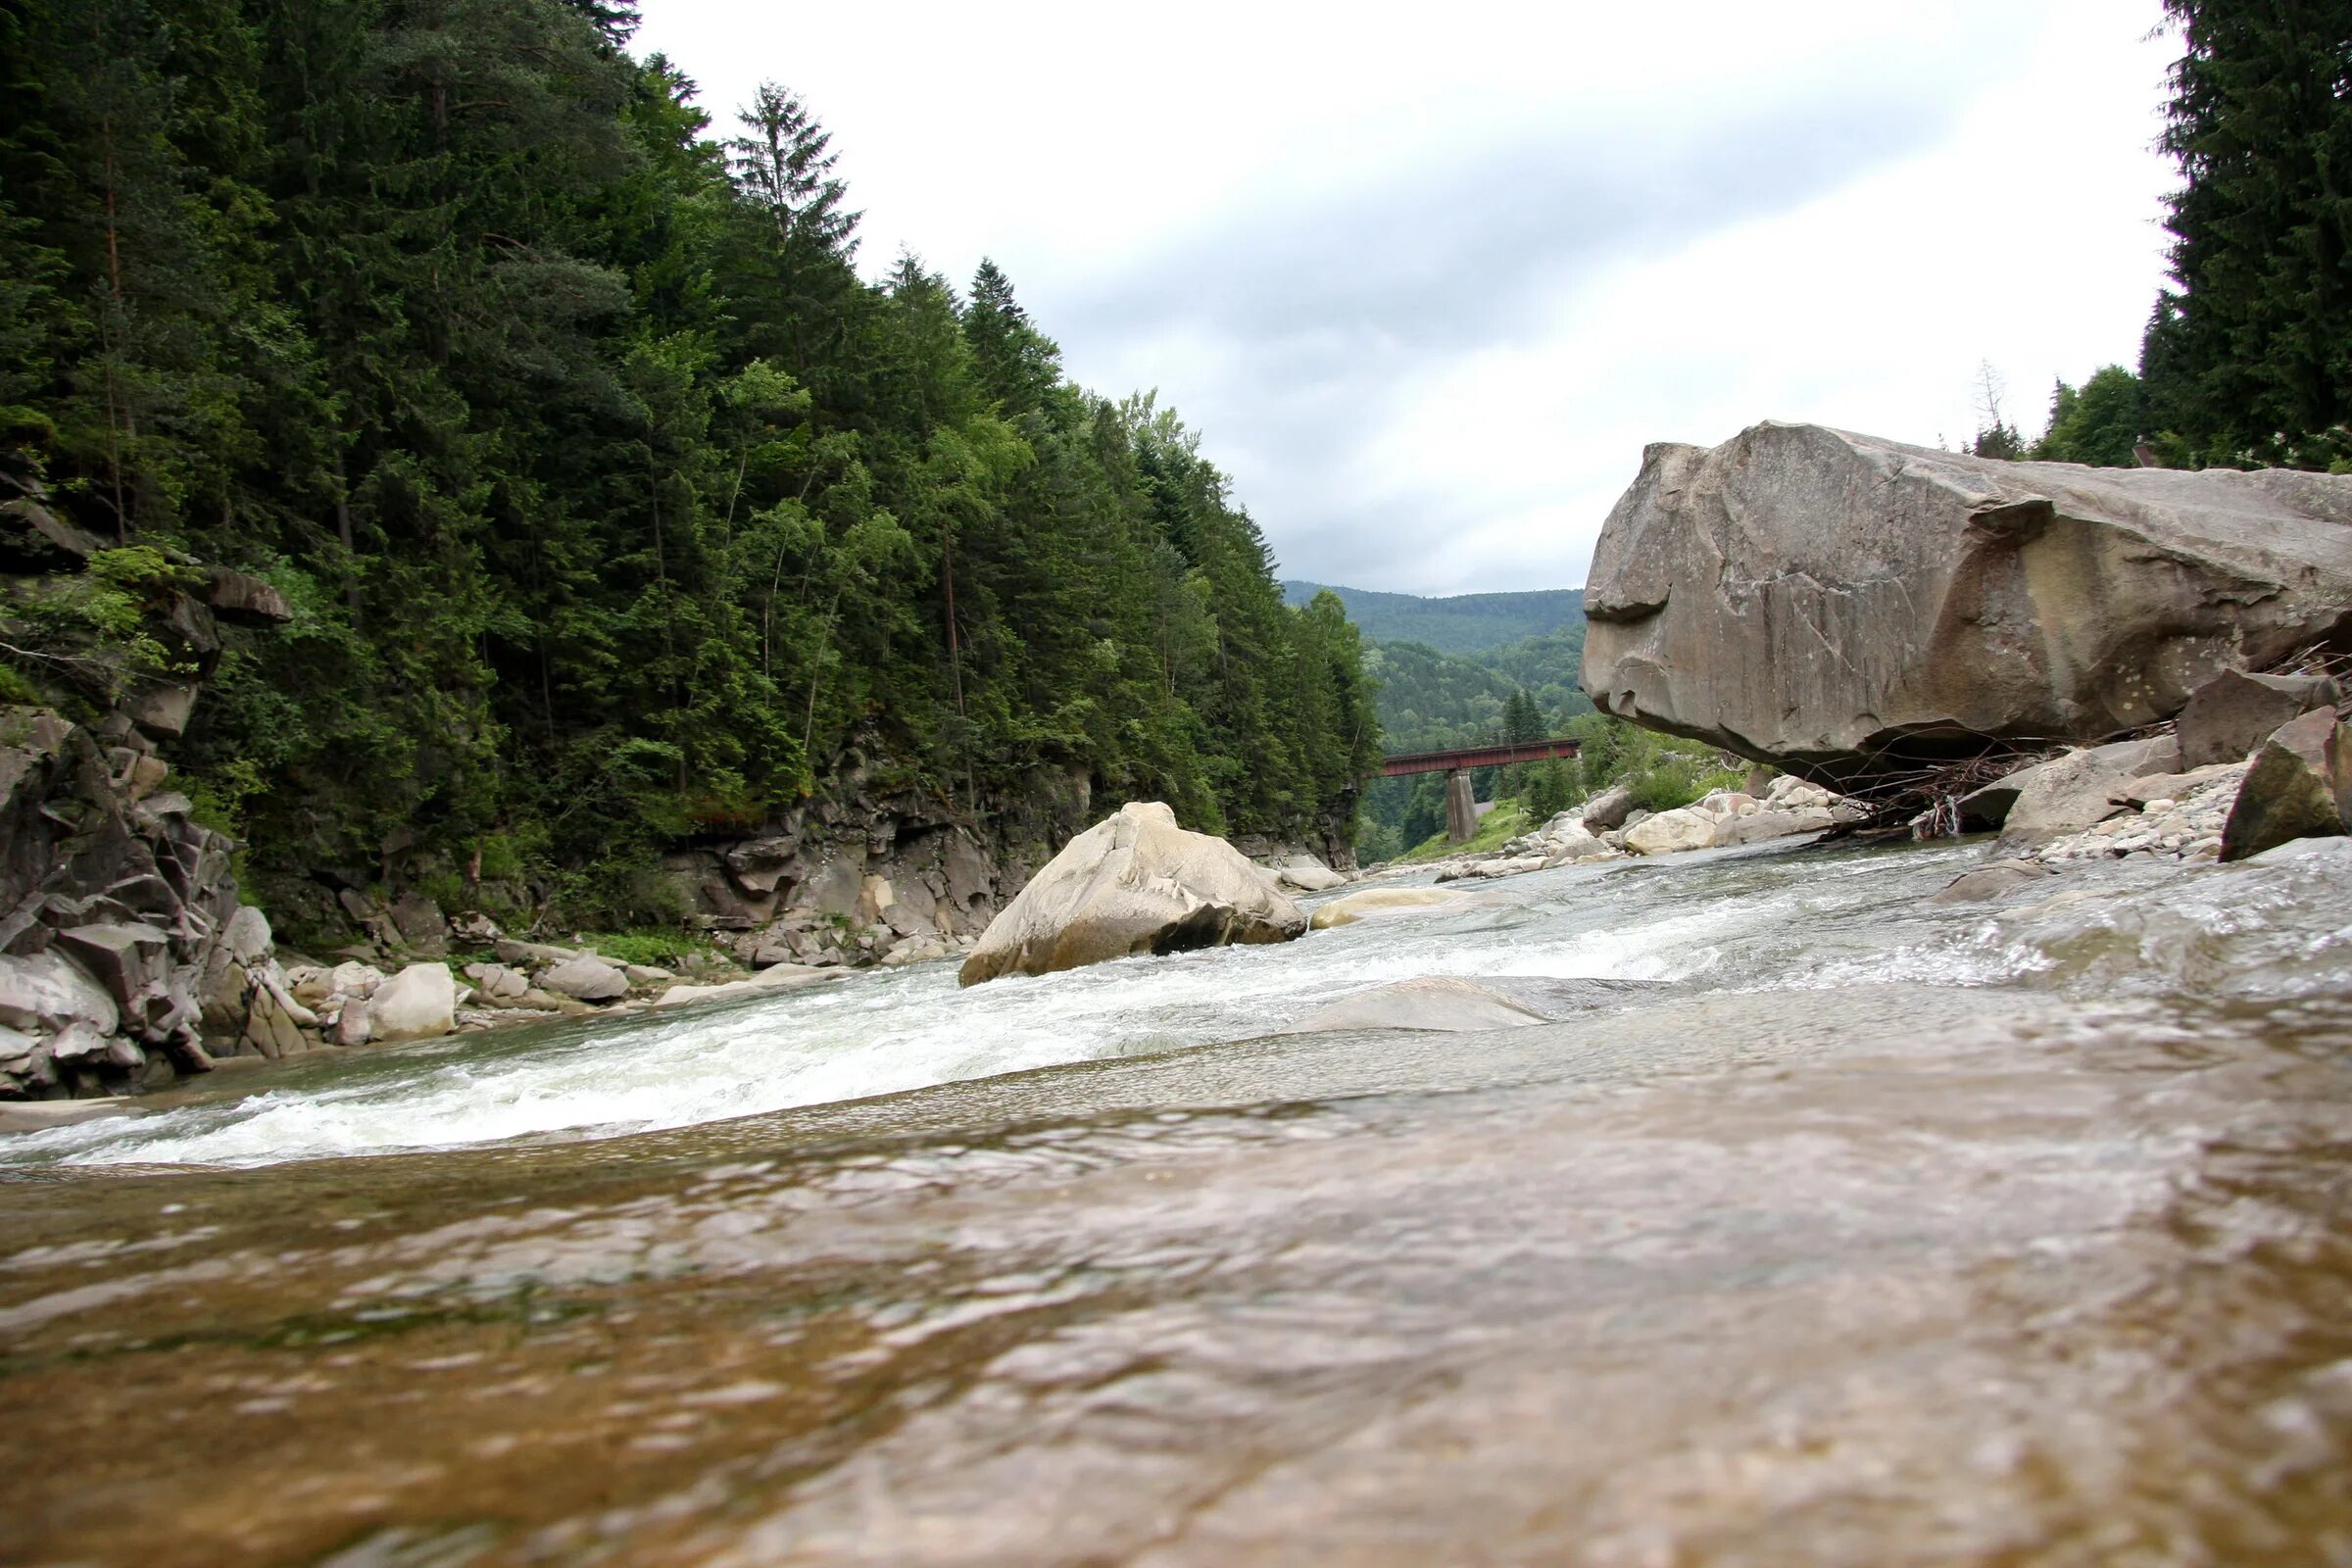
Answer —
(614, 506)
(1461, 624)
(1523, 690)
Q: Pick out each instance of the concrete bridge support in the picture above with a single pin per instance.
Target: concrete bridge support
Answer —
(1461, 807)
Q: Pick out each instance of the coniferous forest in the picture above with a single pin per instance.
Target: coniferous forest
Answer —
(613, 504)
(2247, 359)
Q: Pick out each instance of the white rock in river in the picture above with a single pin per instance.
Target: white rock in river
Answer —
(1683, 828)
(1132, 883)
(419, 1001)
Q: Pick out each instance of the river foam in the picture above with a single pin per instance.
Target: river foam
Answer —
(1743, 921)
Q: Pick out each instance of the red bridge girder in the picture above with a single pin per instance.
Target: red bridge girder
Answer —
(1474, 757)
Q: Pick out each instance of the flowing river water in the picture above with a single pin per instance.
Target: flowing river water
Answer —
(1826, 1226)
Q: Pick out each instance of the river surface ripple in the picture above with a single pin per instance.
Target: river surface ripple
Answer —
(1824, 1227)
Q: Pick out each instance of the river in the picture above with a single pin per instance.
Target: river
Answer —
(1827, 1226)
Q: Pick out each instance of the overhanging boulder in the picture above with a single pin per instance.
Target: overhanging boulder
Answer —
(1847, 607)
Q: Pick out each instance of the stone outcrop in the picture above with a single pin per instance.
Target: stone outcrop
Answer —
(117, 910)
(1845, 608)
(1727, 817)
(1134, 883)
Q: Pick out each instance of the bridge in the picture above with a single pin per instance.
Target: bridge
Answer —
(1462, 808)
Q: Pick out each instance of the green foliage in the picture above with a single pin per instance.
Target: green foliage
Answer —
(661, 948)
(614, 508)
(1462, 623)
(87, 638)
(2099, 426)
(1663, 771)
(1430, 701)
(1551, 788)
(2248, 355)
(1498, 827)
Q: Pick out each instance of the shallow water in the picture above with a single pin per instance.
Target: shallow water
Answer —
(1826, 1226)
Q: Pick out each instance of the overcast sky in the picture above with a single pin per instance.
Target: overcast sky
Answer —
(1425, 279)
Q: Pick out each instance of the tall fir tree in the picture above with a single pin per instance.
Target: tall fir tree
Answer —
(2248, 357)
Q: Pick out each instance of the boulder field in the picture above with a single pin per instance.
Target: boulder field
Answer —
(1847, 607)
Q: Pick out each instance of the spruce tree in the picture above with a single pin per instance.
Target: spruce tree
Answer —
(2248, 357)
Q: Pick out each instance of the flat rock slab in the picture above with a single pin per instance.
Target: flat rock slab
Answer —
(2068, 792)
(39, 1116)
(1350, 908)
(771, 981)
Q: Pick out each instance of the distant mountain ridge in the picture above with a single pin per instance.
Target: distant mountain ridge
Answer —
(1459, 624)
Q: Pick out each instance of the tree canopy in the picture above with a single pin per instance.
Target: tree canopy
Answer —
(615, 507)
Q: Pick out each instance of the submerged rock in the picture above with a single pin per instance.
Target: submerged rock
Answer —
(1438, 1001)
(1350, 908)
(1849, 608)
(1993, 881)
(774, 978)
(1132, 883)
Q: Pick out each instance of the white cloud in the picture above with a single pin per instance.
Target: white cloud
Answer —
(1426, 285)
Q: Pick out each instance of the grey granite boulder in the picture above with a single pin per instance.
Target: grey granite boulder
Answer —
(1847, 607)
(2300, 787)
(1132, 883)
(2232, 714)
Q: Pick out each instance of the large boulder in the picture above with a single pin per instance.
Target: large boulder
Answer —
(419, 1001)
(41, 992)
(1686, 827)
(1309, 878)
(1606, 811)
(2232, 714)
(585, 979)
(1132, 883)
(2300, 787)
(1849, 608)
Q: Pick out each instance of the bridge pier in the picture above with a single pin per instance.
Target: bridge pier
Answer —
(1461, 805)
